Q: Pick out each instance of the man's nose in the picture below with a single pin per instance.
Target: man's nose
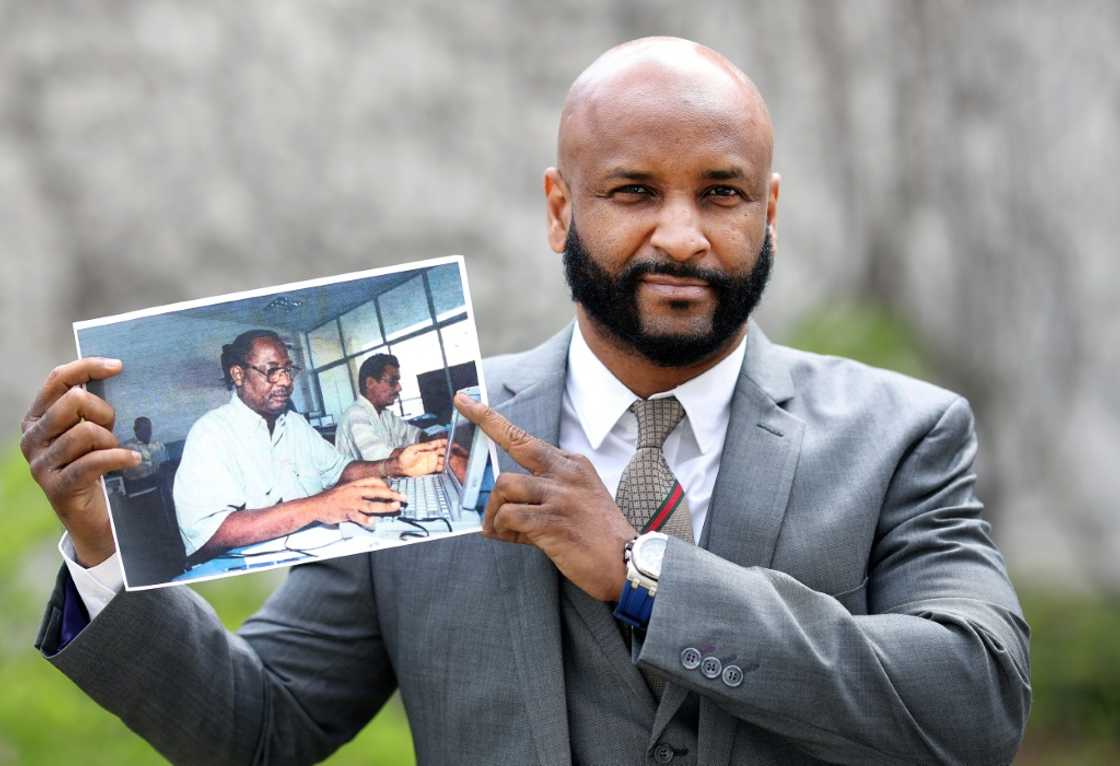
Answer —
(680, 232)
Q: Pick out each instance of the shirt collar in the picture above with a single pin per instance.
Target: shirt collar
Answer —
(367, 405)
(251, 419)
(600, 399)
(707, 398)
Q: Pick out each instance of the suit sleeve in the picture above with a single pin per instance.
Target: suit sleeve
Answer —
(936, 671)
(298, 680)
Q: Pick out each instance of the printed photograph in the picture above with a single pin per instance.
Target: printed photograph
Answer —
(293, 423)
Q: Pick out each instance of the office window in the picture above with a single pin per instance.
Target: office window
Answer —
(459, 343)
(360, 328)
(404, 309)
(312, 402)
(417, 355)
(326, 347)
(302, 396)
(338, 394)
(447, 291)
(412, 407)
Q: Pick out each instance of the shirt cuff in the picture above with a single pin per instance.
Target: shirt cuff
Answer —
(96, 585)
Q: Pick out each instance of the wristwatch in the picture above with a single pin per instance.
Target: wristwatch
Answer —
(643, 557)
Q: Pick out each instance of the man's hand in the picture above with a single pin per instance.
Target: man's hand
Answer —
(422, 458)
(360, 501)
(68, 442)
(562, 508)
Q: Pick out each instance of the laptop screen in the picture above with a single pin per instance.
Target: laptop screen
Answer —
(459, 448)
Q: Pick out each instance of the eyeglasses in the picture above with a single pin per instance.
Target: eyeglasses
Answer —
(272, 374)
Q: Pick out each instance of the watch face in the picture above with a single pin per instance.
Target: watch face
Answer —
(648, 553)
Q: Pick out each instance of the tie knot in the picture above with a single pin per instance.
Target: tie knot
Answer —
(656, 418)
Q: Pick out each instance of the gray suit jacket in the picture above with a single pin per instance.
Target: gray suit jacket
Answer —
(844, 567)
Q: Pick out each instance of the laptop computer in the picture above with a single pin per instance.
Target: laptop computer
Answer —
(455, 489)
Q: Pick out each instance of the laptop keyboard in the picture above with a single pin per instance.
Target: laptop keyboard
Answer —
(425, 496)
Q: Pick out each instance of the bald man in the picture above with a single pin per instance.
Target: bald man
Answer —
(704, 548)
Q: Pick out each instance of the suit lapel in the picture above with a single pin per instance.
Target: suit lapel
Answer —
(529, 583)
(758, 461)
(751, 493)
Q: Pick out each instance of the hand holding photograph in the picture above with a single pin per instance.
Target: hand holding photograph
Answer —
(293, 423)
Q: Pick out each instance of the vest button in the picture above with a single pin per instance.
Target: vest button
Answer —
(663, 753)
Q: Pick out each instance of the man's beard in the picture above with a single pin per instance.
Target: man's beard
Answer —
(613, 301)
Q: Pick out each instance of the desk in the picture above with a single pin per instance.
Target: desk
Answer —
(321, 541)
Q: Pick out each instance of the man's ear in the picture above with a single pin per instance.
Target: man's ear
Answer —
(772, 207)
(237, 374)
(558, 203)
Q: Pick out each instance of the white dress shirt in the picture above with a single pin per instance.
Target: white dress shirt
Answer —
(232, 462)
(596, 422)
(151, 455)
(365, 434)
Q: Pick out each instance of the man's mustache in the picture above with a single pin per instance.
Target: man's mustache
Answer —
(635, 271)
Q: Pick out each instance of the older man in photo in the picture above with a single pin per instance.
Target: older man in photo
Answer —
(255, 470)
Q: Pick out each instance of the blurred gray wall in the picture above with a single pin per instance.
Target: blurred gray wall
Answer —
(952, 161)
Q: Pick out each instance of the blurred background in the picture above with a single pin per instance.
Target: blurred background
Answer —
(949, 209)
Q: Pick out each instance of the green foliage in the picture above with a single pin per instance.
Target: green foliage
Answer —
(864, 332)
(27, 517)
(1075, 660)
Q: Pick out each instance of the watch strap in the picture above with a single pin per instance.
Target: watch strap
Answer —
(635, 606)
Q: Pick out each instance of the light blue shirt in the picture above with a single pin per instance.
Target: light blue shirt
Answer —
(231, 462)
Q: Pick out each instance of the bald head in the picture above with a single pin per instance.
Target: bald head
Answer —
(674, 78)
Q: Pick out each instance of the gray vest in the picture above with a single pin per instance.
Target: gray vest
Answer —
(613, 718)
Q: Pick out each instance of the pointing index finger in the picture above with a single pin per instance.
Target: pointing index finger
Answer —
(530, 452)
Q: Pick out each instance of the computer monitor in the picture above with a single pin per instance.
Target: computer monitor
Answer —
(434, 393)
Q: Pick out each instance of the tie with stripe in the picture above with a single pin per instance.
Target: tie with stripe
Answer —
(648, 494)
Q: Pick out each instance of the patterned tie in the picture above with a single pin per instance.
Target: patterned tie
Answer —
(648, 494)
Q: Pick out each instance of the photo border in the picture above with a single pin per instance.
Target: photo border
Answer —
(258, 292)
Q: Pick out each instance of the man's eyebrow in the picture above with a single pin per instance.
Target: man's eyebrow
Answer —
(732, 173)
(629, 174)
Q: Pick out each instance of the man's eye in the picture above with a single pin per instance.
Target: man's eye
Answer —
(723, 191)
(633, 190)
